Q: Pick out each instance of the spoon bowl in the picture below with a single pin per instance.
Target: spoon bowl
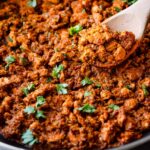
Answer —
(132, 19)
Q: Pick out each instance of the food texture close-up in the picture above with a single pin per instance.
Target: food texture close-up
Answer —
(54, 92)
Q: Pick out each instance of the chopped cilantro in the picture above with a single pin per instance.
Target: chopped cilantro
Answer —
(86, 81)
(87, 108)
(117, 9)
(9, 60)
(40, 101)
(75, 29)
(49, 79)
(40, 114)
(28, 138)
(29, 110)
(61, 88)
(24, 61)
(32, 3)
(113, 106)
(65, 55)
(87, 93)
(56, 71)
(10, 39)
(130, 2)
(31, 86)
(98, 85)
(28, 89)
(145, 90)
(22, 48)
(128, 87)
(110, 14)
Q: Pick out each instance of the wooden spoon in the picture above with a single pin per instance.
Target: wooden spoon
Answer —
(133, 19)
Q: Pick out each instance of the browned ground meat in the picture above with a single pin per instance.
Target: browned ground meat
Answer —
(53, 94)
(100, 46)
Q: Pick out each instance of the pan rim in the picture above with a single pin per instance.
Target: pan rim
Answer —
(131, 145)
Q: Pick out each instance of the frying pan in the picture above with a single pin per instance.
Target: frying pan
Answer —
(9, 145)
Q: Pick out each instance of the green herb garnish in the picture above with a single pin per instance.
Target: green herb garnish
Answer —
(87, 93)
(29, 110)
(98, 85)
(75, 29)
(49, 79)
(9, 60)
(28, 89)
(24, 61)
(61, 88)
(130, 2)
(22, 48)
(87, 108)
(117, 9)
(40, 114)
(86, 81)
(144, 88)
(31, 86)
(128, 87)
(65, 55)
(28, 138)
(113, 106)
(56, 71)
(32, 3)
(10, 39)
(40, 101)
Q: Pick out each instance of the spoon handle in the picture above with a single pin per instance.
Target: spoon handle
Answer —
(141, 9)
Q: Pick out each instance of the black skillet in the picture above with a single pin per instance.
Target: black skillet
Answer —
(9, 145)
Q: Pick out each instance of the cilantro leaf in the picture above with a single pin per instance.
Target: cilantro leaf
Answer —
(10, 39)
(144, 88)
(24, 61)
(75, 29)
(113, 106)
(87, 108)
(40, 101)
(48, 79)
(117, 9)
(98, 85)
(56, 70)
(22, 48)
(9, 60)
(25, 91)
(128, 87)
(61, 88)
(86, 81)
(130, 2)
(28, 89)
(40, 114)
(87, 93)
(31, 86)
(29, 110)
(28, 138)
(32, 3)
